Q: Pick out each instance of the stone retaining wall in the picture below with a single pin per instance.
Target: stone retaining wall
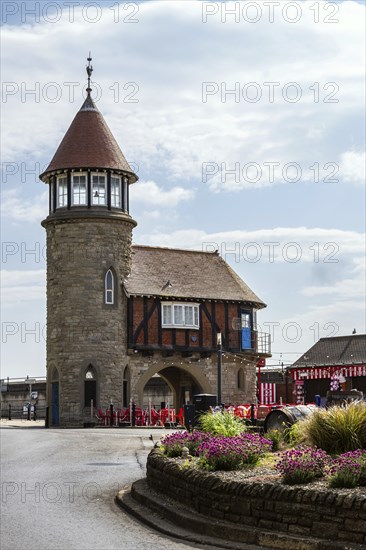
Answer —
(325, 514)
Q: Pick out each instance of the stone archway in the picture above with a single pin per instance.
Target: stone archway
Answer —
(183, 379)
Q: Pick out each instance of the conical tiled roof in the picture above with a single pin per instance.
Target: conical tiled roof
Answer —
(89, 143)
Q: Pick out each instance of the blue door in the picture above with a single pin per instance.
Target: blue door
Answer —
(246, 331)
(55, 404)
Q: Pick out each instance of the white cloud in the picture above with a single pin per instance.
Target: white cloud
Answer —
(280, 244)
(22, 286)
(353, 167)
(18, 208)
(149, 192)
(172, 127)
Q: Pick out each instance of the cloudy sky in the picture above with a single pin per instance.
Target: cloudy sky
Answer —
(245, 124)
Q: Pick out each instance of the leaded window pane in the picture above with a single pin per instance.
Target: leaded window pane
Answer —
(115, 192)
(99, 190)
(79, 190)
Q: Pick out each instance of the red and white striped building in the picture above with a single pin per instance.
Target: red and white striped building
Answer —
(340, 358)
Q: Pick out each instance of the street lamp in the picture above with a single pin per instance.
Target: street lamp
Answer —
(219, 364)
(30, 381)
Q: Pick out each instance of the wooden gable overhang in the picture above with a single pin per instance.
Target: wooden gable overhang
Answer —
(146, 332)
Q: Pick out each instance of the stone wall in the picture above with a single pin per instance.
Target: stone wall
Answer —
(325, 514)
(203, 371)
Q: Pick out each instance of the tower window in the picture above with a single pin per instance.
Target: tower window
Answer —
(109, 288)
(125, 195)
(79, 189)
(115, 192)
(99, 190)
(61, 191)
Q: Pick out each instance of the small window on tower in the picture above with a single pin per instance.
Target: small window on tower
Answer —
(115, 192)
(99, 190)
(109, 287)
(79, 189)
(61, 191)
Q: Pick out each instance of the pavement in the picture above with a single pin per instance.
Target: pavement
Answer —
(20, 423)
(176, 520)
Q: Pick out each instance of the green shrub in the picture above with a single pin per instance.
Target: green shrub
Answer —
(296, 434)
(337, 429)
(221, 423)
(276, 436)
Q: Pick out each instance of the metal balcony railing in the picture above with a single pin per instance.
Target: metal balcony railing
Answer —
(258, 342)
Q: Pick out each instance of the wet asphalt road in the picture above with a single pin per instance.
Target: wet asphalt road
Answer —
(58, 490)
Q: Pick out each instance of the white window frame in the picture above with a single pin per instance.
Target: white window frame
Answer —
(116, 203)
(61, 197)
(109, 291)
(194, 307)
(77, 175)
(96, 201)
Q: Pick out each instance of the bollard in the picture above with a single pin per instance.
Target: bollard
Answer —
(46, 419)
(133, 419)
(29, 412)
(111, 414)
(9, 411)
(35, 412)
(252, 417)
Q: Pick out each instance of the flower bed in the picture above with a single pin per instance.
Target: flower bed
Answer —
(257, 497)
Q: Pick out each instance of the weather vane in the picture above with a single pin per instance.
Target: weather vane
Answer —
(89, 70)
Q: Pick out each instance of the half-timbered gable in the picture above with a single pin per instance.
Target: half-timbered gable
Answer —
(180, 299)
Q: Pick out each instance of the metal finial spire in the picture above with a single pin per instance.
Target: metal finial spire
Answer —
(89, 70)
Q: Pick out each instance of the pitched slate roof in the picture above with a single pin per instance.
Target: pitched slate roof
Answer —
(336, 350)
(187, 274)
(89, 143)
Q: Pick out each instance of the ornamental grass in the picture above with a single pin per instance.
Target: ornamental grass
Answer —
(221, 423)
(337, 429)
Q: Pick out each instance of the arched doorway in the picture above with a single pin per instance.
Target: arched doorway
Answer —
(90, 387)
(158, 392)
(55, 398)
(184, 381)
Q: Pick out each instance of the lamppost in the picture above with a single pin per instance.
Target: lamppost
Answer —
(30, 381)
(219, 365)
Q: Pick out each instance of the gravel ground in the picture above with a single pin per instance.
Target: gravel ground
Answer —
(268, 475)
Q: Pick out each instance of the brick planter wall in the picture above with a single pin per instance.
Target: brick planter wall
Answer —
(325, 514)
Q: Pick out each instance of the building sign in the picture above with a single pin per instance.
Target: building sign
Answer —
(314, 373)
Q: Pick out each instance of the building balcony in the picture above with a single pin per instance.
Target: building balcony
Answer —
(254, 342)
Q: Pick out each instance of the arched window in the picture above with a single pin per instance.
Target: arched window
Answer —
(240, 379)
(109, 287)
(90, 387)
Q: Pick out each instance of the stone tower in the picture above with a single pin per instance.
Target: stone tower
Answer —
(89, 233)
